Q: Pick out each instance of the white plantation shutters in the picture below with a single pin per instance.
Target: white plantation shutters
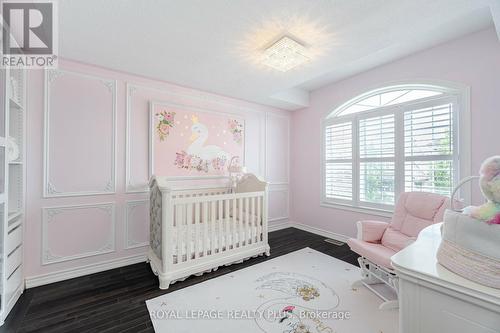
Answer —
(338, 157)
(376, 159)
(428, 137)
(371, 156)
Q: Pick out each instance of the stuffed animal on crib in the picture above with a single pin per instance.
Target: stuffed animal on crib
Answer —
(489, 181)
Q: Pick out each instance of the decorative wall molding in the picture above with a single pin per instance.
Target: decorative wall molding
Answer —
(266, 168)
(130, 242)
(39, 280)
(53, 74)
(48, 214)
(49, 188)
(279, 186)
(262, 143)
(283, 189)
(129, 186)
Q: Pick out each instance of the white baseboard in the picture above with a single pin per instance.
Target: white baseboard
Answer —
(308, 228)
(321, 232)
(278, 225)
(39, 280)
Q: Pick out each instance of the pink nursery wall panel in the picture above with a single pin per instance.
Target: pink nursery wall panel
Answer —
(78, 227)
(83, 225)
(277, 156)
(137, 223)
(74, 141)
(88, 230)
(278, 202)
(277, 166)
(472, 61)
(137, 138)
(255, 158)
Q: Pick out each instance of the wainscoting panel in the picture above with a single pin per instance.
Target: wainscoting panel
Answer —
(79, 134)
(137, 138)
(77, 231)
(278, 165)
(136, 223)
(277, 149)
(278, 203)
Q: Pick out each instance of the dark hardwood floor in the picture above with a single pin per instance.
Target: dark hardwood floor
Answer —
(114, 300)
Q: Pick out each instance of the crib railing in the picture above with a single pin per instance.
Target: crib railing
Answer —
(202, 226)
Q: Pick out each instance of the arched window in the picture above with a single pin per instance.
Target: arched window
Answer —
(388, 141)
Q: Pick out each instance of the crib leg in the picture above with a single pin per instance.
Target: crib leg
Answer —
(268, 251)
(164, 283)
(155, 271)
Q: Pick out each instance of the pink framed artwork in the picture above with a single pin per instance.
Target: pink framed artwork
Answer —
(190, 142)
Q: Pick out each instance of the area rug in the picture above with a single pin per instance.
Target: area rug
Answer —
(302, 292)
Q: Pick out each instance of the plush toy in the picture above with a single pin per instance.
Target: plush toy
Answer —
(489, 181)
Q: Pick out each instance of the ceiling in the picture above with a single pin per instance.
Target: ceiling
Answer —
(215, 45)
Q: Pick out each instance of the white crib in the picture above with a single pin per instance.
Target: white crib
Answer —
(196, 228)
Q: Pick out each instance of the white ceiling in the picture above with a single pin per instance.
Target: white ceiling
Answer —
(214, 45)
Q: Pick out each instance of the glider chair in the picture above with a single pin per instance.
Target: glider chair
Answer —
(378, 241)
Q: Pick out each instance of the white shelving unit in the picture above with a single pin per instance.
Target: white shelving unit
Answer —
(12, 186)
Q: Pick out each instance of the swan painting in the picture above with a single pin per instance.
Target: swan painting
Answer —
(296, 297)
(199, 156)
(185, 142)
(199, 135)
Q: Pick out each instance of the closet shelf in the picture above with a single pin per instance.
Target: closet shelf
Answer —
(15, 104)
(14, 224)
(14, 215)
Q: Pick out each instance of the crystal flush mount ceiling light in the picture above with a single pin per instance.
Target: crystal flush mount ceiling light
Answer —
(285, 54)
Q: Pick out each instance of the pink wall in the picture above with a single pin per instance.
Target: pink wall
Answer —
(87, 209)
(473, 61)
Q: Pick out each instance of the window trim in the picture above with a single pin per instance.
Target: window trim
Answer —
(458, 95)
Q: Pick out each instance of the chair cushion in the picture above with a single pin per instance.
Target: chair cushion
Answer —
(424, 205)
(416, 210)
(413, 212)
(376, 253)
(371, 231)
(396, 240)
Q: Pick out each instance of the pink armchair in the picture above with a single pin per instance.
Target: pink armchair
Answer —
(378, 241)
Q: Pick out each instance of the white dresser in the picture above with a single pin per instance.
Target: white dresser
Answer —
(432, 299)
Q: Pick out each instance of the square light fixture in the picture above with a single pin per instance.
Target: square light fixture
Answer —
(285, 54)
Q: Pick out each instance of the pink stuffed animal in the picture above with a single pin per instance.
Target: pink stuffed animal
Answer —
(489, 182)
